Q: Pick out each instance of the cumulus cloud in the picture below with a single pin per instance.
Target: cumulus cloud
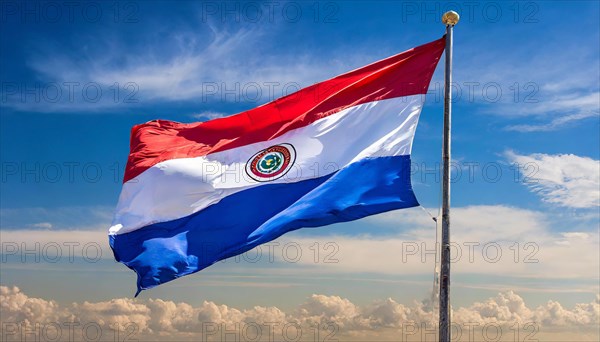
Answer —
(566, 180)
(320, 309)
(159, 319)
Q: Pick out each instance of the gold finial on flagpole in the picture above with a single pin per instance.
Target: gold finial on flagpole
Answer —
(450, 18)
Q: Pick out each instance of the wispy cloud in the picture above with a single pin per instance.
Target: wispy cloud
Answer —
(554, 86)
(544, 248)
(42, 225)
(59, 218)
(564, 179)
(212, 63)
(208, 115)
(553, 125)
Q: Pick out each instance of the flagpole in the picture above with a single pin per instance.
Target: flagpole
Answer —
(450, 19)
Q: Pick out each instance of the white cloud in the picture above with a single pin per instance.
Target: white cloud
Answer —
(576, 235)
(208, 115)
(42, 225)
(582, 105)
(543, 89)
(181, 321)
(564, 179)
(487, 241)
(215, 64)
(58, 218)
(531, 244)
(320, 309)
(553, 125)
(571, 255)
(552, 110)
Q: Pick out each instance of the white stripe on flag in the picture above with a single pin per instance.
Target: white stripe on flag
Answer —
(180, 187)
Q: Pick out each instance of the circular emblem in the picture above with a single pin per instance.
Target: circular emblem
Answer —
(271, 163)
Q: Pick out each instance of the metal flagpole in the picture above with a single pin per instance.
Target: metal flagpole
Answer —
(449, 19)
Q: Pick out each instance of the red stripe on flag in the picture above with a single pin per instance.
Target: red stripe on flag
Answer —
(407, 73)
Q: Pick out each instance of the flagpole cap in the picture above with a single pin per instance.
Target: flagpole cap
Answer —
(450, 18)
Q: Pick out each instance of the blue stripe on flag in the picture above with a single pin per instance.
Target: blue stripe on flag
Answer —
(164, 251)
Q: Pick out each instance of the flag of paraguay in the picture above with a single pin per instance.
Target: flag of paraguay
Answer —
(339, 150)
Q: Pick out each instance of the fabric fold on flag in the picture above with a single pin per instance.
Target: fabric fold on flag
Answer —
(339, 150)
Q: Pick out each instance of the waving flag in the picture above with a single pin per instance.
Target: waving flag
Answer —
(336, 151)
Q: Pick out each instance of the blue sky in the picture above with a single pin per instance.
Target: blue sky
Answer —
(76, 79)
